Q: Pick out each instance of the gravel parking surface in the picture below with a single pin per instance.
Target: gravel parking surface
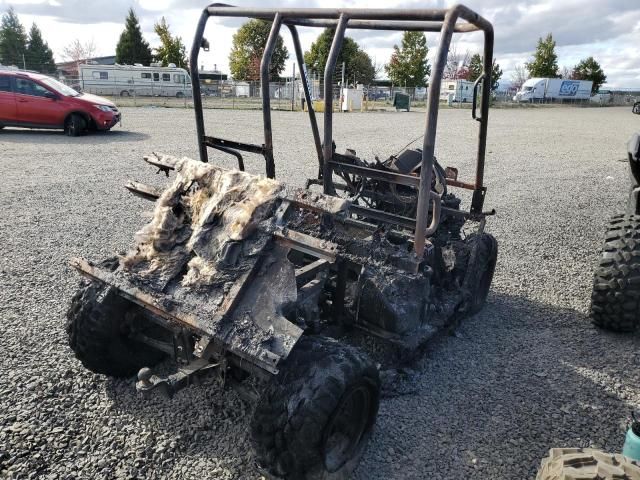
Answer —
(526, 374)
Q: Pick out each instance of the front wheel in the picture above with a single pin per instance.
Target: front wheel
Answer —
(480, 269)
(76, 125)
(615, 301)
(636, 108)
(99, 326)
(315, 417)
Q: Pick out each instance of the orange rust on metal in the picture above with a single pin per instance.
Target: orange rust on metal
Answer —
(144, 191)
(457, 183)
(306, 243)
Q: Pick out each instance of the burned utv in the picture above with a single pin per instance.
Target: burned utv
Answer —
(246, 278)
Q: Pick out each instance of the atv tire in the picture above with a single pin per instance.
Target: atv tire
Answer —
(480, 269)
(316, 415)
(95, 321)
(586, 464)
(615, 301)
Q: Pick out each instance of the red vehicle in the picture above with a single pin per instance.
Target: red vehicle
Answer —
(36, 101)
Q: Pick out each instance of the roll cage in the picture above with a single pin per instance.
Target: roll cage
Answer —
(445, 21)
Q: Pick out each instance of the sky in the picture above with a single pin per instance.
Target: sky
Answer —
(608, 30)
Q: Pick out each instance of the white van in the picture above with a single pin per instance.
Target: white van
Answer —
(130, 80)
(458, 90)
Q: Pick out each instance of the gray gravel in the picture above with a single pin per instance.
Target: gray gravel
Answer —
(526, 374)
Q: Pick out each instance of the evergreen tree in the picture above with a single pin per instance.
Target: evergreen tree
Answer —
(589, 69)
(408, 65)
(171, 50)
(545, 60)
(13, 40)
(476, 66)
(39, 56)
(132, 47)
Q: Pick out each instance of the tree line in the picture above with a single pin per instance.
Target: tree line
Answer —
(32, 52)
(545, 65)
(407, 67)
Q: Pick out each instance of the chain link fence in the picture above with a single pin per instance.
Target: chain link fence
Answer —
(289, 95)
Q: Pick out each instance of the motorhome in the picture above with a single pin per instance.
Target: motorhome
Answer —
(549, 89)
(135, 80)
(456, 91)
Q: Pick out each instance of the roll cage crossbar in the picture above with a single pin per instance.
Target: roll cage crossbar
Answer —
(445, 21)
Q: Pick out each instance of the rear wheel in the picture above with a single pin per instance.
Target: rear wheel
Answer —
(99, 327)
(586, 463)
(636, 108)
(75, 125)
(316, 416)
(179, 95)
(615, 301)
(125, 93)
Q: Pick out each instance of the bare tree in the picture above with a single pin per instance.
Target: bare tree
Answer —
(78, 52)
(519, 76)
(566, 73)
(457, 63)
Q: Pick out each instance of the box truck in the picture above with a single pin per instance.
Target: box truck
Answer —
(539, 89)
(130, 80)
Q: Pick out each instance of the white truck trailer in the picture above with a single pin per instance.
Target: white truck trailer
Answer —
(456, 91)
(130, 80)
(550, 89)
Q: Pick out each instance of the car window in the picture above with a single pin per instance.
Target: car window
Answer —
(101, 75)
(145, 75)
(5, 84)
(156, 77)
(178, 78)
(29, 87)
(166, 77)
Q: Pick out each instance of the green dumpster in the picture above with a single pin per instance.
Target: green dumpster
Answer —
(401, 101)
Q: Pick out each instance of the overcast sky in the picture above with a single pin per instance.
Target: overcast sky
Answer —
(607, 29)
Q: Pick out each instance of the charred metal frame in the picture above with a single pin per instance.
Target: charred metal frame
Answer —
(444, 21)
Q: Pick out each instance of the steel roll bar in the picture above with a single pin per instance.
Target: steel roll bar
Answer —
(429, 20)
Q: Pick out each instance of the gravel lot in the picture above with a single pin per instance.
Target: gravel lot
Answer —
(526, 374)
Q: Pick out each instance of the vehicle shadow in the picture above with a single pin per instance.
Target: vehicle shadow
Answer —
(20, 135)
(488, 402)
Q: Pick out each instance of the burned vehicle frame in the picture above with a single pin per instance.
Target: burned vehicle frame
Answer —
(255, 281)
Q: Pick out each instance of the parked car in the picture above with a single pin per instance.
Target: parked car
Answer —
(36, 101)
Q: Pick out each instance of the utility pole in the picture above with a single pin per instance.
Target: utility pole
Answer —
(293, 88)
(24, 64)
(341, 89)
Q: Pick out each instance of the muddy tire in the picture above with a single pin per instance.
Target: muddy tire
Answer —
(586, 464)
(95, 329)
(75, 125)
(480, 270)
(615, 301)
(315, 417)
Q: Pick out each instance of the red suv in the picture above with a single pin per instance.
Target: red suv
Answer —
(37, 101)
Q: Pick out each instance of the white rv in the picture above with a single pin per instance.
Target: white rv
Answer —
(130, 80)
(538, 89)
(457, 90)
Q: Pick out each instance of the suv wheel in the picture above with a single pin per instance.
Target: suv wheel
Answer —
(76, 125)
(315, 417)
